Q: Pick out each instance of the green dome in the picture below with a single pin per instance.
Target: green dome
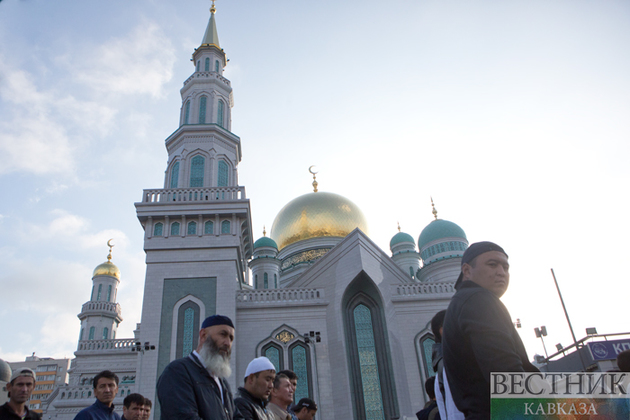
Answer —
(401, 237)
(265, 241)
(439, 229)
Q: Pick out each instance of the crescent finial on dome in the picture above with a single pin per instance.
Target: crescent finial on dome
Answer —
(310, 169)
(213, 9)
(109, 244)
(264, 231)
(398, 226)
(434, 210)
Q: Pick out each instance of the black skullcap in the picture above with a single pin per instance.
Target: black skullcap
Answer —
(305, 402)
(216, 320)
(475, 250)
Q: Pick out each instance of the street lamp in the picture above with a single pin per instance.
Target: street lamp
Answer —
(540, 333)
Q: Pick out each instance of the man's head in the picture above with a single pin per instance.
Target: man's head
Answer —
(215, 344)
(282, 392)
(486, 264)
(623, 361)
(133, 407)
(437, 324)
(259, 377)
(21, 385)
(105, 387)
(147, 409)
(429, 387)
(292, 377)
(305, 409)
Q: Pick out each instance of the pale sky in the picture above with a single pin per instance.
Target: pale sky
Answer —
(512, 115)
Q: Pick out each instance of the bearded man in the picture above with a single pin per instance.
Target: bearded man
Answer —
(194, 387)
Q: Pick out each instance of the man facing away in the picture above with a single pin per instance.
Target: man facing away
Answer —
(194, 387)
(105, 389)
(305, 409)
(479, 337)
(252, 396)
(20, 389)
(281, 397)
(133, 407)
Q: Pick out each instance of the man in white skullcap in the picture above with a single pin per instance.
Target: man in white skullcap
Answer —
(252, 397)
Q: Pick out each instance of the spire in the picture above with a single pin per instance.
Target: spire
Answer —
(264, 231)
(434, 210)
(211, 37)
(398, 226)
(109, 256)
(310, 169)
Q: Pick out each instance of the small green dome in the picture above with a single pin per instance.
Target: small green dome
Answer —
(401, 237)
(265, 241)
(439, 229)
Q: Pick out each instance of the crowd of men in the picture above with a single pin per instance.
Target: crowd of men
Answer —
(474, 337)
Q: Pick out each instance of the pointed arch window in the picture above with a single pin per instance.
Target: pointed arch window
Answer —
(275, 281)
(192, 228)
(208, 227)
(225, 227)
(223, 174)
(202, 109)
(189, 318)
(197, 166)
(175, 229)
(370, 381)
(275, 355)
(109, 293)
(426, 346)
(188, 327)
(187, 112)
(105, 333)
(100, 289)
(265, 281)
(158, 229)
(207, 64)
(256, 281)
(175, 175)
(220, 112)
(216, 66)
(91, 337)
(299, 356)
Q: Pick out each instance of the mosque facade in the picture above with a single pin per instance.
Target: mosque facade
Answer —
(316, 296)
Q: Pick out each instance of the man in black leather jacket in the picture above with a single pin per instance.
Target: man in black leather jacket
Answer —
(252, 397)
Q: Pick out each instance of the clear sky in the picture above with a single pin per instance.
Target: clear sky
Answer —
(514, 116)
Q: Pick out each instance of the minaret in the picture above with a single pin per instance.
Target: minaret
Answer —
(198, 234)
(101, 315)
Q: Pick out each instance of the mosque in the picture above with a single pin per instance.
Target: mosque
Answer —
(316, 296)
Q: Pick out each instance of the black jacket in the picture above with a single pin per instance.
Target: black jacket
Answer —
(250, 407)
(186, 391)
(7, 413)
(479, 338)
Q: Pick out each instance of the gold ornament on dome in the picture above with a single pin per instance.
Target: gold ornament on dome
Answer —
(316, 215)
(107, 268)
(285, 337)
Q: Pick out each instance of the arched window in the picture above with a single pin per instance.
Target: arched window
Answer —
(275, 355)
(192, 228)
(207, 66)
(208, 228)
(265, 281)
(175, 175)
(256, 281)
(157, 229)
(275, 281)
(105, 333)
(426, 346)
(91, 337)
(188, 327)
(187, 113)
(225, 227)
(109, 293)
(175, 229)
(202, 109)
(196, 171)
(220, 112)
(216, 66)
(100, 289)
(299, 364)
(223, 174)
(81, 334)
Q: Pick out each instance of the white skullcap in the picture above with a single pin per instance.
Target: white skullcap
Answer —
(258, 365)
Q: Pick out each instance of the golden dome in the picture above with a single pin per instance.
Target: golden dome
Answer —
(315, 215)
(108, 268)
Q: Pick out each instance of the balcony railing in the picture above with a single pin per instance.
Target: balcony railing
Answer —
(115, 344)
(98, 306)
(282, 296)
(182, 195)
(207, 75)
(419, 289)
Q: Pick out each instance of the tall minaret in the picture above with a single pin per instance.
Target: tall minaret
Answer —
(101, 315)
(198, 227)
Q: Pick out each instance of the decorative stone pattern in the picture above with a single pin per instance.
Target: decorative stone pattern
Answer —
(302, 257)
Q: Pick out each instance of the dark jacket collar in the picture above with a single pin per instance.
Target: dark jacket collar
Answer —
(245, 394)
(102, 406)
